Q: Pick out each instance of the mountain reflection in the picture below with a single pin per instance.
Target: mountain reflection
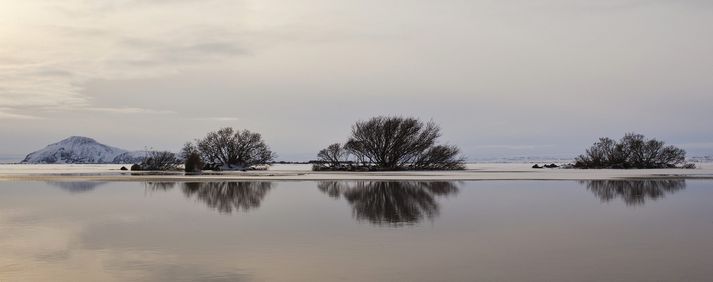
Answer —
(228, 196)
(77, 187)
(390, 202)
(634, 192)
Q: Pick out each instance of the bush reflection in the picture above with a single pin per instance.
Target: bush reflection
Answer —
(634, 192)
(160, 186)
(390, 203)
(227, 197)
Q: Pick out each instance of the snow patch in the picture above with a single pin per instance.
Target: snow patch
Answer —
(75, 150)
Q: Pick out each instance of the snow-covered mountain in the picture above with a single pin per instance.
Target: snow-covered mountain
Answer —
(81, 150)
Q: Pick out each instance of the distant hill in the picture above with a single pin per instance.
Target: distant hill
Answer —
(82, 150)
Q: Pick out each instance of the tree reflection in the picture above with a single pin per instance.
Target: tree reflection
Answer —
(390, 203)
(228, 196)
(634, 192)
(160, 186)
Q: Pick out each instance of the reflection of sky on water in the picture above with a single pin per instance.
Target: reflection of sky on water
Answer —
(310, 231)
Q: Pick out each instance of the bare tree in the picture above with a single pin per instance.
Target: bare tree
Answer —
(631, 151)
(160, 160)
(234, 149)
(355, 148)
(441, 157)
(193, 162)
(395, 143)
(333, 155)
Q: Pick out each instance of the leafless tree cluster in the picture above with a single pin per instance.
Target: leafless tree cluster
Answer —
(440, 157)
(632, 151)
(231, 148)
(394, 143)
(160, 160)
(333, 155)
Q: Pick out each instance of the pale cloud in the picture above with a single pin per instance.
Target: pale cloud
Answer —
(37, 85)
(217, 118)
(501, 77)
(513, 147)
(127, 110)
(51, 49)
(6, 114)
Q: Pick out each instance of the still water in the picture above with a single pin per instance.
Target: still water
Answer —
(646, 230)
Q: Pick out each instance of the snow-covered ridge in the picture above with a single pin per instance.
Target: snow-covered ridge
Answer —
(81, 150)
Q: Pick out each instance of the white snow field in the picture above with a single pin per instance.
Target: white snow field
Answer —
(484, 171)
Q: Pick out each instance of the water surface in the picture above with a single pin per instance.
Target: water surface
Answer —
(660, 230)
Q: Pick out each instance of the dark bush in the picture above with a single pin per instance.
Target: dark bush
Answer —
(160, 161)
(632, 151)
(193, 162)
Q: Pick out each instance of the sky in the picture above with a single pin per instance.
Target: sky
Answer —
(503, 78)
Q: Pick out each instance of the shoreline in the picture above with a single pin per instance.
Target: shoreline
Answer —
(475, 172)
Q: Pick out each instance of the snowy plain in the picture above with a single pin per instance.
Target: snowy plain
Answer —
(475, 171)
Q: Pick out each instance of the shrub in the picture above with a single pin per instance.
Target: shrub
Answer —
(193, 163)
(232, 148)
(689, 166)
(632, 151)
(393, 143)
(160, 160)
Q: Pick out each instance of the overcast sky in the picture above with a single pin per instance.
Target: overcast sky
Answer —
(502, 77)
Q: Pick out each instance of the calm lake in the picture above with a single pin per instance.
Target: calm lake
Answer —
(645, 230)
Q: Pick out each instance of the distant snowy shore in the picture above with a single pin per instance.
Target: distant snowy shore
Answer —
(474, 171)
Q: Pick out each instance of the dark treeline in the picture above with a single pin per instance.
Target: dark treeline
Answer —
(226, 148)
(388, 144)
